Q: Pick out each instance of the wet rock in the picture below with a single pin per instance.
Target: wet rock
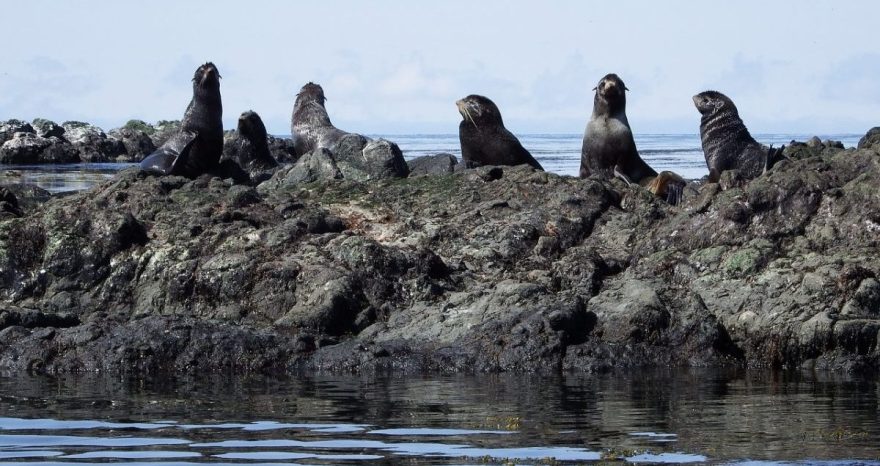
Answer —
(8, 129)
(814, 147)
(316, 165)
(282, 149)
(48, 129)
(163, 130)
(28, 196)
(8, 204)
(870, 139)
(28, 148)
(491, 269)
(92, 143)
(438, 164)
(137, 143)
(363, 159)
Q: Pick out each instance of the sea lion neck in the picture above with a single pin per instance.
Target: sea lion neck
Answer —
(605, 107)
(311, 113)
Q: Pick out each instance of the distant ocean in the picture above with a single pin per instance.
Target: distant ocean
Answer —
(557, 153)
(561, 153)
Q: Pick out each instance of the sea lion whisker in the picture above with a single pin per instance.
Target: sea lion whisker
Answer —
(469, 117)
(488, 143)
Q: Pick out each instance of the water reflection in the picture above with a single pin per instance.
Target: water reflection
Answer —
(653, 416)
(57, 178)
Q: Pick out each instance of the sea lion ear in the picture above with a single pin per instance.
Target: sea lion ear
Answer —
(625, 88)
(597, 87)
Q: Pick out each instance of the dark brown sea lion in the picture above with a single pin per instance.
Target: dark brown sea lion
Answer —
(484, 139)
(196, 148)
(609, 149)
(310, 125)
(727, 144)
(250, 145)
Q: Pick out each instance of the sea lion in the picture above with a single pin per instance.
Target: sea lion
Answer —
(250, 146)
(484, 139)
(196, 148)
(310, 125)
(609, 149)
(727, 144)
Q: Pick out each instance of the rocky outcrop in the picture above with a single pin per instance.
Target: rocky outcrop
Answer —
(8, 129)
(362, 159)
(48, 129)
(72, 142)
(437, 164)
(136, 142)
(28, 148)
(92, 143)
(812, 148)
(282, 149)
(490, 269)
(27, 196)
(8, 204)
(870, 139)
(317, 165)
(163, 130)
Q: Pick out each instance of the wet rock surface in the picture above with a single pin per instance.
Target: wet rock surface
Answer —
(437, 164)
(46, 142)
(29, 148)
(92, 143)
(490, 269)
(136, 142)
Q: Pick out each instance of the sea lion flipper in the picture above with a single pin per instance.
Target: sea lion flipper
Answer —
(674, 193)
(772, 156)
(667, 185)
(174, 152)
(620, 174)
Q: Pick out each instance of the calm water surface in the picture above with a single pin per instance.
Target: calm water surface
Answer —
(557, 153)
(696, 416)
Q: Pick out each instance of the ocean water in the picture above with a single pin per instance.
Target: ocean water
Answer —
(696, 416)
(557, 153)
(561, 153)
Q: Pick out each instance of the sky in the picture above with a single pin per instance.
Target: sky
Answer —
(397, 67)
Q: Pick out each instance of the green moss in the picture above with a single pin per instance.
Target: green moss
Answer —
(708, 256)
(41, 121)
(662, 255)
(139, 125)
(743, 262)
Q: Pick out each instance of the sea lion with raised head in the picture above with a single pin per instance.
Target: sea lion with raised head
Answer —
(310, 125)
(196, 148)
(484, 139)
(727, 144)
(609, 149)
(250, 144)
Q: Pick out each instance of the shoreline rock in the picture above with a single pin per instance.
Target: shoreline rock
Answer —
(490, 269)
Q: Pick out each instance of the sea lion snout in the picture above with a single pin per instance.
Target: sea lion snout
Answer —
(469, 107)
(208, 72)
(611, 85)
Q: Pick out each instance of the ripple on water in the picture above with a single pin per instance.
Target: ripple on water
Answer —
(634, 417)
